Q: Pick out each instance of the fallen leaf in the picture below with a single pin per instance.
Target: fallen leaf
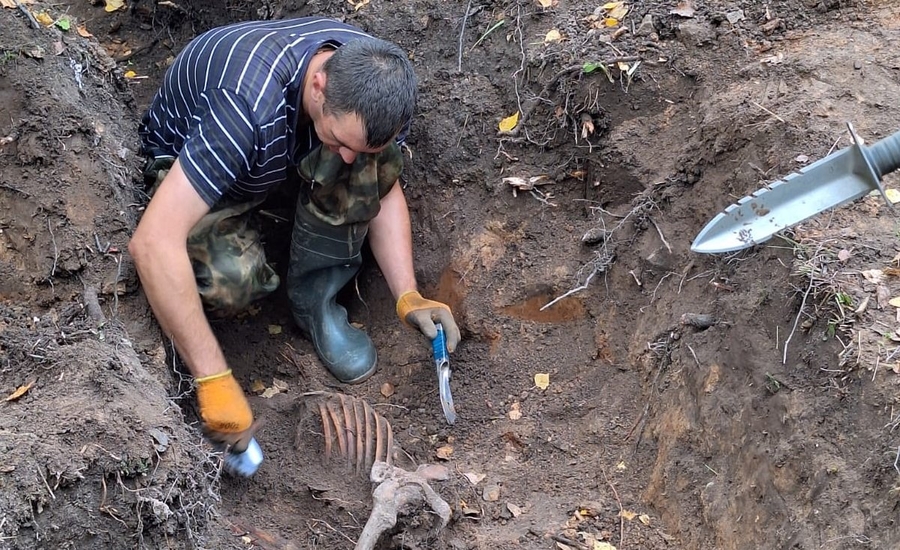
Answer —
(43, 18)
(132, 74)
(113, 5)
(802, 159)
(873, 275)
(257, 386)
(610, 21)
(618, 10)
(444, 452)
(602, 546)
(491, 493)
(64, 23)
(542, 380)
(387, 389)
(513, 509)
(893, 195)
(644, 518)
(278, 386)
(474, 478)
(553, 35)
(509, 122)
(83, 32)
(273, 329)
(685, 8)
(893, 301)
(358, 5)
(628, 514)
(20, 391)
(548, 3)
(514, 412)
(844, 255)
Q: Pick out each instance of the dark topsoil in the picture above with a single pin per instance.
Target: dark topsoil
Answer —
(773, 428)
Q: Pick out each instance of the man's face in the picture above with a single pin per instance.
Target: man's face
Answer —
(344, 134)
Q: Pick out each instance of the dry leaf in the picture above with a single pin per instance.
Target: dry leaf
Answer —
(257, 386)
(628, 514)
(548, 3)
(621, 466)
(509, 122)
(358, 5)
(844, 255)
(278, 386)
(893, 195)
(444, 452)
(113, 5)
(474, 478)
(20, 391)
(514, 412)
(616, 10)
(513, 509)
(685, 8)
(644, 518)
(610, 21)
(387, 389)
(542, 380)
(83, 32)
(553, 35)
(43, 18)
(873, 275)
(132, 74)
(895, 301)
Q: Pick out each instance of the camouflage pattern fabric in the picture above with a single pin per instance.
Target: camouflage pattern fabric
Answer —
(226, 254)
(341, 194)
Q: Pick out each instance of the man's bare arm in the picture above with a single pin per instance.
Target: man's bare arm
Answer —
(159, 249)
(391, 240)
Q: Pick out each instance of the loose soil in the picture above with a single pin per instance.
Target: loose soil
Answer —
(773, 428)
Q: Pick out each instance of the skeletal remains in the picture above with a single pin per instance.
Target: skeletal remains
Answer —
(365, 439)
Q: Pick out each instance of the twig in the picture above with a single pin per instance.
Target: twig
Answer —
(47, 485)
(770, 112)
(694, 354)
(896, 460)
(661, 236)
(812, 278)
(621, 510)
(55, 249)
(574, 290)
(462, 32)
(568, 542)
(23, 9)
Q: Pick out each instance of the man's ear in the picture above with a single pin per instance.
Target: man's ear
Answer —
(318, 86)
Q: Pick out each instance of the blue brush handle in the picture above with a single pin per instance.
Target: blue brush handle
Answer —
(439, 346)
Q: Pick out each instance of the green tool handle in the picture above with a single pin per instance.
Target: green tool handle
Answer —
(884, 155)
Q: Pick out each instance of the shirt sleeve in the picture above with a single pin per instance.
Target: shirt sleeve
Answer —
(220, 145)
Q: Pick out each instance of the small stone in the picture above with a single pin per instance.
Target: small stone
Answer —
(491, 493)
(857, 65)
(735, 16)
(646, 27)
(596, 235)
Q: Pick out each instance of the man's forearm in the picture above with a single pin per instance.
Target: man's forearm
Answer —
(391, 240)
(168, 281)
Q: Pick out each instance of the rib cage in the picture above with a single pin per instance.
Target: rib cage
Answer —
(361, 434)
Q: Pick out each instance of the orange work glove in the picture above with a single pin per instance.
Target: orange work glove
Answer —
(421, 313)
(224, 410)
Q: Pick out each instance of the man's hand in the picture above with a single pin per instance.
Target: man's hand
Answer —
(225, 412)
(421, 313)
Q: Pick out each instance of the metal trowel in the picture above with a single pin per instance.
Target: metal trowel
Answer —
(442, 363)
(827, 183)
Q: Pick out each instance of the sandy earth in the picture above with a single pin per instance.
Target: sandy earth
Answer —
(773, 428)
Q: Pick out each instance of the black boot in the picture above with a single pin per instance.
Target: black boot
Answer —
(324, 258)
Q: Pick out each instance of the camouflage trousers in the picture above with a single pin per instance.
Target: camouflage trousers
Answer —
(225, 250)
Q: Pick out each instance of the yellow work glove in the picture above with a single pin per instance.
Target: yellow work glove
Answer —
(224, 410)
(422, 314)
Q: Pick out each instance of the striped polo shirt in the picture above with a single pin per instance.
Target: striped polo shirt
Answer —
(230, 104)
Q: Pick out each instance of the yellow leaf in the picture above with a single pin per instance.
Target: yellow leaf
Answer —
(628, 514)
(130, 74)
(623, 66)
(611, 5)
(895, 301)
(610, 21)
(553, 35)
(619, 11)
(83, 32)
(893, 195)
(113, 5)
(20, 391)
(257, 386)
(274, 329)
(542, 380)
(548, 3)
(444, 452)
(509, 122)
(43, 18)
(602, 546)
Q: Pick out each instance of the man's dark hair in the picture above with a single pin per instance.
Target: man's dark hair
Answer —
(373, 79)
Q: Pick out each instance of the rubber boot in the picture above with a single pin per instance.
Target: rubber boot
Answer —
(324, 258)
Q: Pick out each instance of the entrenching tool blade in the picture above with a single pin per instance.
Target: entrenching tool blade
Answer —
(827, 183)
